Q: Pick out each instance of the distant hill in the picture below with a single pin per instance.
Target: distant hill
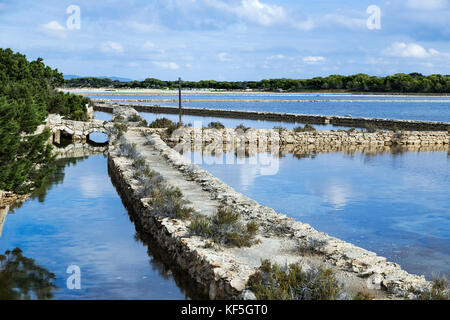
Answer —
(72, 76)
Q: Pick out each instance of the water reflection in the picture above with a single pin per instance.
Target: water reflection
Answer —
(79, 219)
(22, 279)
(393, 201)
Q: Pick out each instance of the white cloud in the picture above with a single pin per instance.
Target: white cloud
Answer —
(427, 4)
(166, 65)
(55, 28)
(111, 47)
(345, 21)
(253, 10)
(151, 47)
(313, 59)
(261, 13)
(409, 50)
(223, 56)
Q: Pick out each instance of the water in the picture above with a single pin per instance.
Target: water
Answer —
(79, 219)
(256, 96)
(426, 111)
(198, 121)
(393, 110)
(395, 204)
(227, 122)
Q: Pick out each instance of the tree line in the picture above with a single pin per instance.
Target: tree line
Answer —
(27, 96)
(397, 83)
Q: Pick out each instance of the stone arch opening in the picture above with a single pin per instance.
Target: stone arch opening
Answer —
(62, 138)
(97, 138)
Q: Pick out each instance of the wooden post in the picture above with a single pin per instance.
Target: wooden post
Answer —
(179, 101)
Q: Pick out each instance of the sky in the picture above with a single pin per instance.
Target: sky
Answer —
(230, 39)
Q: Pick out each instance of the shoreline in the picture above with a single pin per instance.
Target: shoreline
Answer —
(339, 93)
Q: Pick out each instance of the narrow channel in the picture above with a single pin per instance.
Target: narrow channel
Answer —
(78, 219)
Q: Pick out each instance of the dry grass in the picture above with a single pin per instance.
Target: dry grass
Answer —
(225, 228)
(273, 282)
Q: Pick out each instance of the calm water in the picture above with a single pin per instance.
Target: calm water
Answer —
(396, 110)
(227, 122)
(199, 122)
(397, 205)
(82, 221)
(258, 96)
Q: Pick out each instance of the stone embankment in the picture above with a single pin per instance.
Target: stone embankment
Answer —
(348, 121)
(223, 272)
(322, 138)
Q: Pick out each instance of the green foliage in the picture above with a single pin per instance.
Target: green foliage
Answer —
(164, 199)
(119, 129)
(402, 83)
(216, 125)
(164, 123)
(27, 95)
(306, 128)
(243, 128)
(224, 228)
(22, 279)
(439, 290)
(280, 129)
(134, 118)
(273, 282)
(143, 123)
(161, 123)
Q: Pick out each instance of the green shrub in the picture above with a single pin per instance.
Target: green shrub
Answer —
(306, 128)
(119, 129)
(272, 282)
(439, 290)
(310, 246)
(164, 199)
(225, 228)
(143, 123)
(164, 123)
(134, 118)
(169, 202)
(129, 150)
(280, 129)
(242, 128)
(216, 125)
(309, 127)
(118, 118)
(161, 123)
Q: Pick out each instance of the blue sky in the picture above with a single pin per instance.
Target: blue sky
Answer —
(230, 39)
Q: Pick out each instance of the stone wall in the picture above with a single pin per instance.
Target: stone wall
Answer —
(185, 252)
(331, 138)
